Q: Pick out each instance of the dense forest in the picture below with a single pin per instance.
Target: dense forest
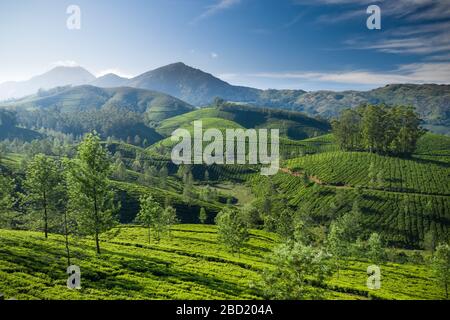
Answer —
(380, 129)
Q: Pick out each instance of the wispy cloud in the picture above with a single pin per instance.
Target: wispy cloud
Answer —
(423, 25)
(219, 6)
(417, 73)
(214, 55)
(64, 63)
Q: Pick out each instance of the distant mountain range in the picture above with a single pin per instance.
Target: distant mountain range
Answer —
(199, 88)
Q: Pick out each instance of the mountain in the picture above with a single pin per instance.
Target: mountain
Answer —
(191, 85)
(59, 76)
(109, 80)
(199, 88)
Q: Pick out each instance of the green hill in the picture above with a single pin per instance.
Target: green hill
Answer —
(292, 125)
(119, 112)
(155, 105)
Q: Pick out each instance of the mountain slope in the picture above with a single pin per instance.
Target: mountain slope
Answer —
(191, 85)
(155, 105)
(109, 80)
(292, 125)
(59, 76)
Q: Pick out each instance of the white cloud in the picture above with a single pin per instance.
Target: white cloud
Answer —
(64, 63)
(115, 71)
(216, 8)
(214, 55)
(418, 73)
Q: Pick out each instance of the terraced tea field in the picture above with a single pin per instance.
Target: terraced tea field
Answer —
(189, 265)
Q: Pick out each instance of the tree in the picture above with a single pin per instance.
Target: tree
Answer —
(285, 224)
(231, 229)
(375, 248)
(120, 170)
(379, 129)
(7, 199)
(90, 194)
(347, 130)
(169, 218)
(203, 216)
(43, 186)
(295, 266)
(337, 245)
(250, 215)
(150, 216)
(441, 267)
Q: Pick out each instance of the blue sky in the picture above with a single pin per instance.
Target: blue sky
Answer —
(295, 44)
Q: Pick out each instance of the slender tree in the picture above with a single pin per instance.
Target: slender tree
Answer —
(376, 251)
(150, 216)
(42, 182)
(169, 218)
(203, 216)
(90, 194)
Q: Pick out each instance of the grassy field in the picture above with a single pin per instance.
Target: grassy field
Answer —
(189, 265)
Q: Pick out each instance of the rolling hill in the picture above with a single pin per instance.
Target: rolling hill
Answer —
(121, 112)
(156, 105)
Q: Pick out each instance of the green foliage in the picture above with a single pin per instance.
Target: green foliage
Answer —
(375, 252)
(441, 267)
(7, 200)
(379, 129)
(43, 189)
(295, 268)
(151, 216)
(90, 194)
(232, 229)
(203, 216)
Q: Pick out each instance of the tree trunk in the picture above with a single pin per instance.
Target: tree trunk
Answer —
(149, 238)
(66, 231)
(45, 216)
(97, 222)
